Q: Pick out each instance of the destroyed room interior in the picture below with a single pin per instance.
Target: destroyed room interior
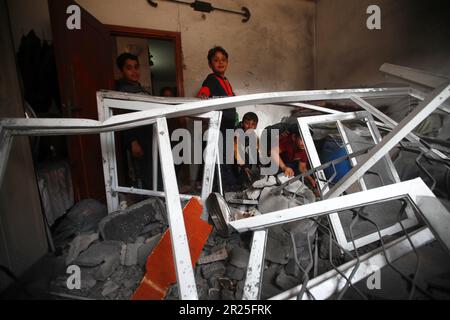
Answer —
(225, 150)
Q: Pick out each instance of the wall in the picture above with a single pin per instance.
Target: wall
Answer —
(22, 234)
(413, 34)
(272, 52)
(27, 15)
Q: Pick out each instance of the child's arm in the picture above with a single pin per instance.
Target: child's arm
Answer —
(275, 155)
(303, 168)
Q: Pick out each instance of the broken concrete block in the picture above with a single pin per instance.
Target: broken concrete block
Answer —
(214, 282)
(292, 269)
(202, 289)
(97, 253)
(82, 218)
(140, 240)
(213, 269)
(127, 225)
(285, 281)
(239, 257)
(131, 255)
(123, 253)
(107, 268)
(214, 294)
(103, 255)
(217, 255)
(147, 248)
(227, 295)
(109, 288)
(79, 244)
(235, 273)
(279, 247)
(152, 228)
(240, 290)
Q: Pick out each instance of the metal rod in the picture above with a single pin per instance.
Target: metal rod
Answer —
(253, 279)
(412, 189)
(180, 246)
(331, 282)
(408, 124)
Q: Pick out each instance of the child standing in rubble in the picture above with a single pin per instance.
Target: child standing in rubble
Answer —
(216, 85)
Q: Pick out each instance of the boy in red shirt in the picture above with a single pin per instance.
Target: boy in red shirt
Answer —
(290, 155)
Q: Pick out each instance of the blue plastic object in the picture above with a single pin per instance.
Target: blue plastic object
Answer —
(332, 149)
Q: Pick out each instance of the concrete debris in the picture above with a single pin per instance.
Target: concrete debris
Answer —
(240, 290)
(285, 281)
(214, 294)
(140, 240)
(152, 228)
(109, 288)
(202, 289)
(267, 181)
(239, 257)
(98, 253)
(213, 269)
(127, 225)
(278, 248)
(79, 244)
(82, 218)
(219, 255)
(227, 295)
(252, 193)
(147, 248)
(235, 273)
(293, 269)
(131, 255)
(104, 255)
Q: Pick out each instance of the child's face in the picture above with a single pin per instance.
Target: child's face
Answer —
(249, 124)
(131, 71)
(219, 63)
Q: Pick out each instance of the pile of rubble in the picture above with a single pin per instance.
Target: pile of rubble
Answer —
(111, 250)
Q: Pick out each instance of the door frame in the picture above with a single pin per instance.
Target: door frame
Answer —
(156, 34)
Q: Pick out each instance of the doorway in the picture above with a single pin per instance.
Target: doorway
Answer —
(159, 53)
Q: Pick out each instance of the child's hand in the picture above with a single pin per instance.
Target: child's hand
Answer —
(288, 172)
(203, 97)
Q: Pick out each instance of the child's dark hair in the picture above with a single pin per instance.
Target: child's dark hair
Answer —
(213, 51)
(250, 116)
(124, 57)
(294, 130)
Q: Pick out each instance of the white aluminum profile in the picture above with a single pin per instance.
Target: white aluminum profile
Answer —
(421, 197)
(254, 275)
(180, 246)
(315, 162)
(332, 282)
(108, 146)
(420, 113)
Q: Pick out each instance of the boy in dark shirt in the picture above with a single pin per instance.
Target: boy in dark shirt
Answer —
(217, 85)
(137, 141)
(246, 167)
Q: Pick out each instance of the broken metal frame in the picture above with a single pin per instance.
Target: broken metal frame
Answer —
(108, 146)
(416, 192)
(170, 109)
(333, 281)
(313, 156)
